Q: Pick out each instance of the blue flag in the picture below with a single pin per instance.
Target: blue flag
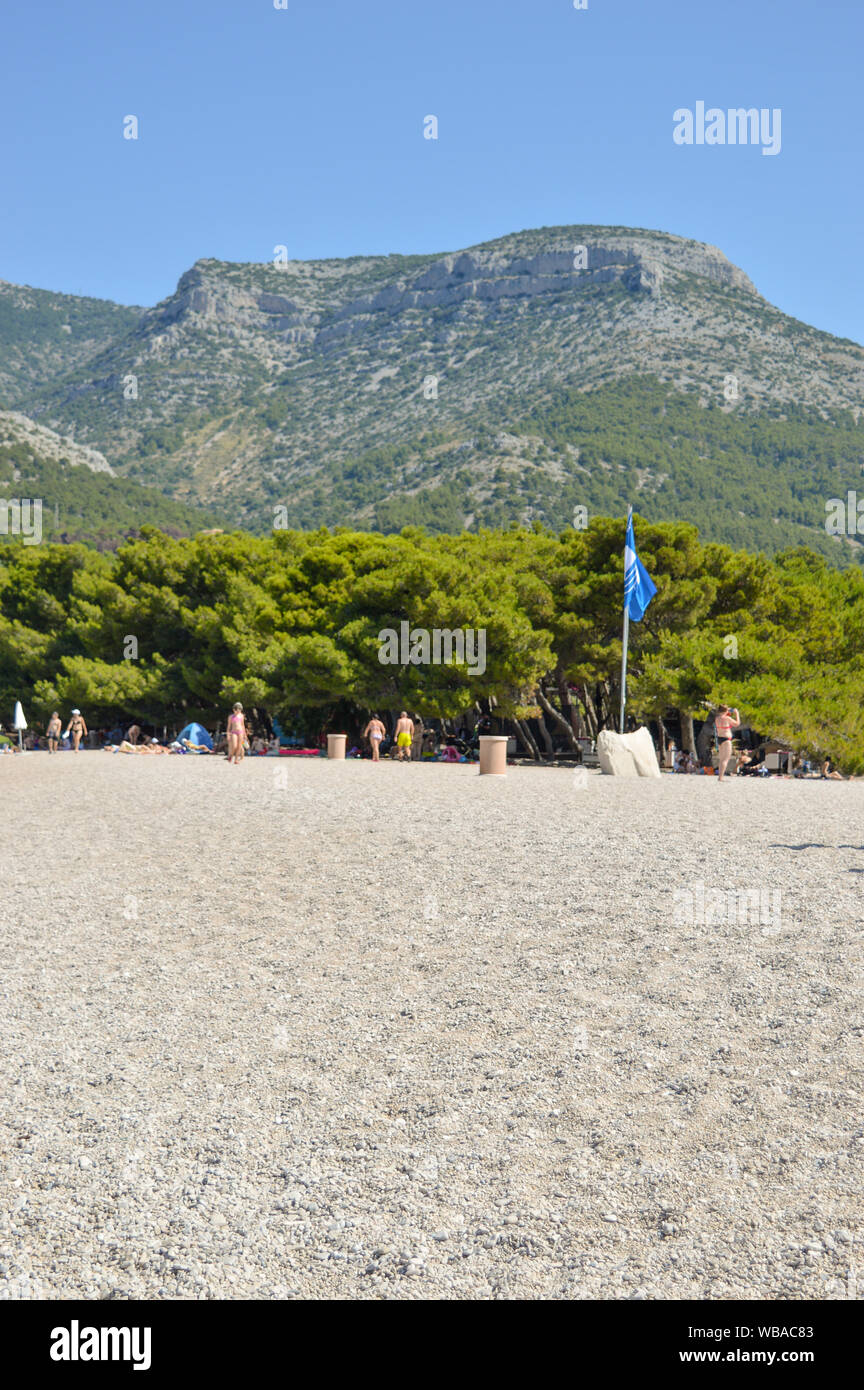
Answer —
(639, 589)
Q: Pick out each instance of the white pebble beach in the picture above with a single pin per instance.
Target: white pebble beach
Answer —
(329, 1030)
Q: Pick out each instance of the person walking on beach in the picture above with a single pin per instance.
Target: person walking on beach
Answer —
(725, 720)
(77, 728)
(404, 735)
(53, 732)
(417, 738)
(133, 733)
(236, 734)
(375, 731)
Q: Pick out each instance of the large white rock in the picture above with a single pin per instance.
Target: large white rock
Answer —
(46, 444)
(627, 755)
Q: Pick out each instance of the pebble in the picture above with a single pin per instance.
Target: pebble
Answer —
(247, 1072)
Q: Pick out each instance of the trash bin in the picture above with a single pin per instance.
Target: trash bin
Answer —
(493, 755)
(336, 745)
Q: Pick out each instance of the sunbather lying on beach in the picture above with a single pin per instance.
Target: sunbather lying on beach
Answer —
(194, 747)
(127, 747)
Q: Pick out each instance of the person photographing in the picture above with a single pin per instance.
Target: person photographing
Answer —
(725, 720)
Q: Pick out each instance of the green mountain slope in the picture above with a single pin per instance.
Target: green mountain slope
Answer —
(44, 335)
(757, 480)
(80, 498)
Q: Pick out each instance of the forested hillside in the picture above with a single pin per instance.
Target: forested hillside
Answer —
(80, 498)
(292, 624)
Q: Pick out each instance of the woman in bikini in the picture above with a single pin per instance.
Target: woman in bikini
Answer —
(77, 728)
(374, 731)
(236, 734)
(725, 720)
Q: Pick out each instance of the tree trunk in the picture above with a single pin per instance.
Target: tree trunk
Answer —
(569, 710)
(520, 734)
(590, 713)
(546, 737)
(604, 708)
(525, 734)
(687, 740)
(558, 719)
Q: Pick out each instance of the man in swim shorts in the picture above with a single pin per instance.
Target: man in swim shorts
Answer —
(404, 735)
(374, 731)
(54, 732)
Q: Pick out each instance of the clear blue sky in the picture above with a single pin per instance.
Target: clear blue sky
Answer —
(303, 127)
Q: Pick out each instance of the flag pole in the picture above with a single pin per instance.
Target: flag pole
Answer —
(626, 639)
(625, 636)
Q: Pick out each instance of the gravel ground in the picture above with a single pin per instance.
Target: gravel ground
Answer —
(333, 1030)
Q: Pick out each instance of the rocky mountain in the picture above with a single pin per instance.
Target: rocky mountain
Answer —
(486, 385)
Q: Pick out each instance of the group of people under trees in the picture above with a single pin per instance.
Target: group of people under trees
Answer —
(748, 762)
(725, 720)
(408, 739)
(236, 742)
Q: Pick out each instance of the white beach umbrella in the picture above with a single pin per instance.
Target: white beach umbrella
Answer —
(19, 722)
